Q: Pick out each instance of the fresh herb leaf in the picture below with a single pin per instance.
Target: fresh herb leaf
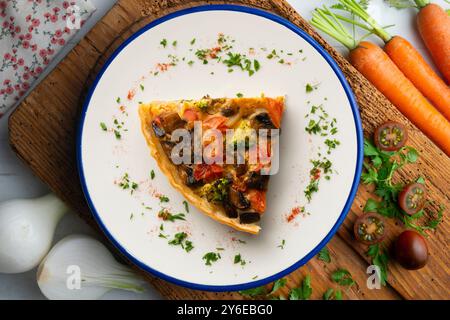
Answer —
(330, 294)
(303, 292)
(238, 259)
(324, 255)
(256, 65)
(371, 206)
(152, 174)
(380, 258)
(280, 283)
(163, 42)
(167, 216)
(254, 292)
(178, 239)
(163, 199)
(342, 277)
(186, 206)
(310, 87)
(211, 257)
(103, 126)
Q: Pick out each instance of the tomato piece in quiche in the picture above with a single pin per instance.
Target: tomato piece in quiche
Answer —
(224, 172)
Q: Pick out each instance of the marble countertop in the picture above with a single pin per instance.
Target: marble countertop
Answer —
(17, 181)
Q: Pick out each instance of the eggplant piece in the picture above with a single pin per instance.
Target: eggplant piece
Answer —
(171, 121)
(159, 131)
(262, 121)
(167, 146)
(257, 181)
(247, 217)
(237, 199)
(187, 173)
(230, 210)
(230, 110)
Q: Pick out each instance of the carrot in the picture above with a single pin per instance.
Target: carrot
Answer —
(407, 59)
(434, 27)
(415, 68)
(379, 69)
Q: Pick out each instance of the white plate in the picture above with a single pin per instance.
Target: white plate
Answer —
(103, 159)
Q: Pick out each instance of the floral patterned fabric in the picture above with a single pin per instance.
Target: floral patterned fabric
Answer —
(31, 33)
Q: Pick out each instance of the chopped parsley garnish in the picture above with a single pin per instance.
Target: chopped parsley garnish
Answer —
(190, 62)
(103, 126)
(125, 183)
(324, 255)
(281, 246)
(331, 144)
(167, 216)
(186, 206)
(117, 134)
(162, 236)
(319, 166)
(174, 43)
(163, 42)
(238, 259)
(256, 65)
(163, 198)
(180, 240)
(311, 87)
(192, 41)
(239, 95)
(142, 87)
(241, 61)
(342, 277)
(211, 257)
(152, 174)
(188, 246)
(118, 100)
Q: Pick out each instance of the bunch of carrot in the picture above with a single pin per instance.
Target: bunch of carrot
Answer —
(400, 72)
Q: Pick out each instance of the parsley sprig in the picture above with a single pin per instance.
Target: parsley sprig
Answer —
(379, 258)
(379, 171)
(324, 255)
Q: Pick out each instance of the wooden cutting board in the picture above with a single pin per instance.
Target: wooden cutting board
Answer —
(42, 132)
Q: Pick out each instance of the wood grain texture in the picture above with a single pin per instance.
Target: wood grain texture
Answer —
(42, 132)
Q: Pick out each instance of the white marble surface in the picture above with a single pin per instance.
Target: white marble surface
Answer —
(17, 181)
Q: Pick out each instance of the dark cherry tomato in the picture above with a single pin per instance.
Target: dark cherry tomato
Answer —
(390, 136)
(369, 228)
(412, 198)
(411, 250)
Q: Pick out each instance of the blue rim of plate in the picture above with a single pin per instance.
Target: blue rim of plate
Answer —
(359, 136)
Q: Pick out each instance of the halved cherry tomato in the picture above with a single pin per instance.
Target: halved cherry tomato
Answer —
(190, 115)
(412, 198)
(390, 136)
(257, 200)
(215, 122)
(275, 110)
(207, 171)
(369, 228)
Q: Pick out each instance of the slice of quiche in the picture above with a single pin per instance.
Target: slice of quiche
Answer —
(217, 153)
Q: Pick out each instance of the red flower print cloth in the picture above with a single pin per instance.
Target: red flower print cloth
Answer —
(32, 32)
